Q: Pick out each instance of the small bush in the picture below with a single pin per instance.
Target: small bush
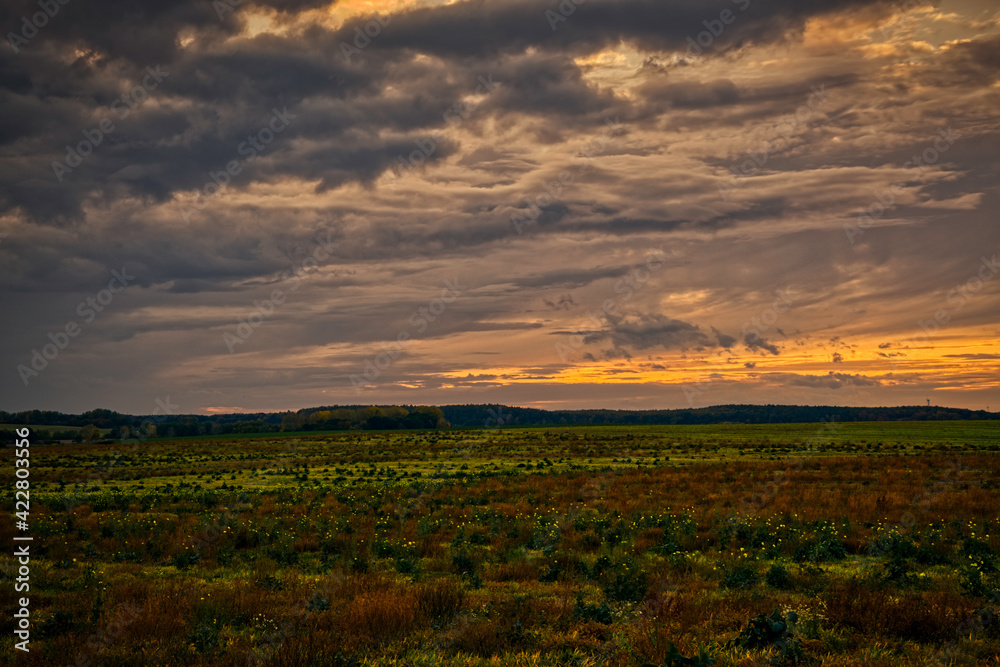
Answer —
(360, 565)
(186, 559)
(205, 637)
(406, 566)
(820, 550)
(674, 658)
(897, 571)
(318, 602)
(60, 623)
(440, 599)
(462, 564)
(591, 612)
(740, 577)
(773, 634)
(627, 587)
(777, 577)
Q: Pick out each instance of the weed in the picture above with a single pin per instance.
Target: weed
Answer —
(773, 635)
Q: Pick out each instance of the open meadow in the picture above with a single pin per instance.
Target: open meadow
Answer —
(832, 544)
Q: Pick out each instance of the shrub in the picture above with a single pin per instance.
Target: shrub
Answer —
(384, 549)
(772, 634)
(897, 571)
(440, 599)
(60, 623)
(463, 564)
(740, 577)
(674, 658)
(406, 566)
(186, 559)
(318, 602)
(205, 636)
(284, 555)
(360, 564)
(591, 612)
(627, 587)
(980, 552)
(974, 584)
(777, 577)
(820, 550)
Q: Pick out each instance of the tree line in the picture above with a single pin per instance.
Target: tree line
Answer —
(108, 424)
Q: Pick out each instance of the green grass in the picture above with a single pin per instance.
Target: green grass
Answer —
(544, 546)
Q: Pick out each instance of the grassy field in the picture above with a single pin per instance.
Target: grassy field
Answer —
(854, 544)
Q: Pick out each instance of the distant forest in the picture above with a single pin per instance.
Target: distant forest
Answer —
(490, 415)
(108, 424)
(98, 423)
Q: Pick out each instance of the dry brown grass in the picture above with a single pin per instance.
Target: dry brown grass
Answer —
(919, 616)
(440, 599)
(378, 616)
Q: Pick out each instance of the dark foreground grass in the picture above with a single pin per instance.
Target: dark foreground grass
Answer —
(585, 546)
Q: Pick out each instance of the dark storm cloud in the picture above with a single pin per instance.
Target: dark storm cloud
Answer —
(723, 339)
(641, 331)
(570, 278)
(564, 302)
(471, 28)
(132, 31)
(829, 381)
(693, 95)
(755, 343)
(972, 62)
(220, 96)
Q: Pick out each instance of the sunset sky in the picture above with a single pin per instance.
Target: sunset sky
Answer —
(620, 203)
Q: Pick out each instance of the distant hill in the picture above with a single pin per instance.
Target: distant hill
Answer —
(491, 415)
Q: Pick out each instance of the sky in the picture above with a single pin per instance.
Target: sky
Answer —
(273, 204)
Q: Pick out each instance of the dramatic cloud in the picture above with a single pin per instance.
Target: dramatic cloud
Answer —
(520, 201)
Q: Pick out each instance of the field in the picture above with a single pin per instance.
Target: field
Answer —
(855, 544)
